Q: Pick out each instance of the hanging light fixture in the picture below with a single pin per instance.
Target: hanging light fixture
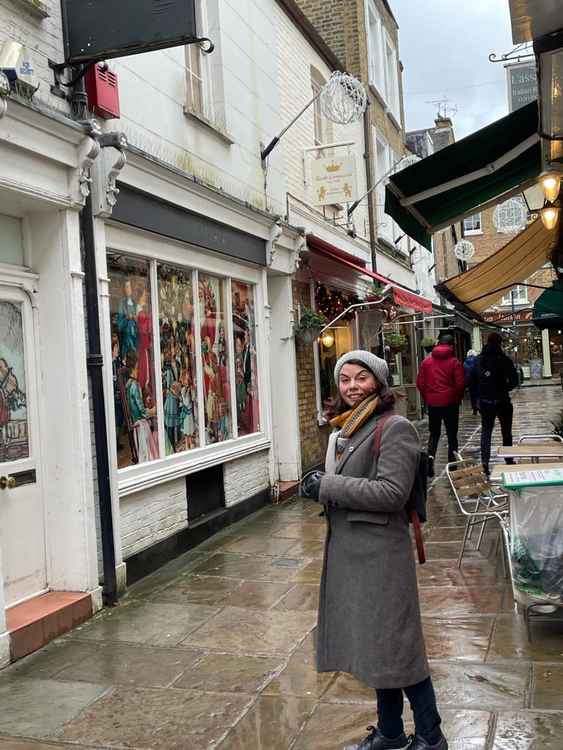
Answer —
(551, 184)
(549, 53)
(327, 340)
(550, 216)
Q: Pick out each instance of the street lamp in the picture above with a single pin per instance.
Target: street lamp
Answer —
(550, 216)
(551, 184)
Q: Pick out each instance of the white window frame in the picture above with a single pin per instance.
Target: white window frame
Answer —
(391, 65)
(135, 243)
(204, 75)
(468, 232)
(383, 75)
(321, 127)
(520, 296)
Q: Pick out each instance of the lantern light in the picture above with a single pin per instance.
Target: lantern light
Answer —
(327, 340)
(550, 216)
(551, 184)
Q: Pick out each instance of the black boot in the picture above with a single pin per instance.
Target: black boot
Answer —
(377, 741)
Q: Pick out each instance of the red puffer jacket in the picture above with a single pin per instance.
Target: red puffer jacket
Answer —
(440, 378)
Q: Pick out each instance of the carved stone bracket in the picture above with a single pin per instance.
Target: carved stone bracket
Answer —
(112, 190)
(271, 247)
(4, 94)
(88, 152)
(108, 169)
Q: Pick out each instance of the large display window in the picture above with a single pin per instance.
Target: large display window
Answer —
(195, 383)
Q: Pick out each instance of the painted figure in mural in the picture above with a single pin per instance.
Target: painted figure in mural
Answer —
(209, 324)
(240, 374)
(212, 392)
(188, 414)
(171, 393)
(139, 414)
(127, 320)
(116, 366)
(144, 341)
(11, 399)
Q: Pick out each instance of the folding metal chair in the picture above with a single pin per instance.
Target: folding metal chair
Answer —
(477, 500)
(534, 438)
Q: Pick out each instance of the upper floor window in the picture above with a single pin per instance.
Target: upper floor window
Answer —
(472, 224)
(199, 100)
(383, 61)
(518, 293)
(321, 124)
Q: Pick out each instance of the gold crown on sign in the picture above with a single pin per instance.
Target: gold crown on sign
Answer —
(334, 167)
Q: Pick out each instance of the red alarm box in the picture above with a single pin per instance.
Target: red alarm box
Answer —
(103, 91)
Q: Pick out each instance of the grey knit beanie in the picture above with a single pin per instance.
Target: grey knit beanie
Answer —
(374, 363)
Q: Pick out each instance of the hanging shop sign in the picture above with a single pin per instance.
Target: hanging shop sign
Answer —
(102, 29)
(522, 84)
(333, 180)
(519, 315)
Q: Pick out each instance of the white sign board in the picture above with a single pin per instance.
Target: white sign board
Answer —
(522, 84)
(333, 180)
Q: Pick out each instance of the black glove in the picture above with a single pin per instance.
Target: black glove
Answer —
(311, 485)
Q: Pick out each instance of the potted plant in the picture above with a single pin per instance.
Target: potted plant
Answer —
(310, 325)
(427, 344)
(397, 342)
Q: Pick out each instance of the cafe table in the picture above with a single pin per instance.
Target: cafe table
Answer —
(498, 470)
(532, 451)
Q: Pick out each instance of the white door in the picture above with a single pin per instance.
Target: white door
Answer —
(22, 516)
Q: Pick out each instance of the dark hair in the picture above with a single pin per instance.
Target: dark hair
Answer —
(446, 338)
(131, 359)
(336, 406)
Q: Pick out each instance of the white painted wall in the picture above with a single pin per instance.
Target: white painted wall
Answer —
(246, 477)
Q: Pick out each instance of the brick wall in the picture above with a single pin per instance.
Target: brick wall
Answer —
(312, 444)
(149, 516)
(246, 477)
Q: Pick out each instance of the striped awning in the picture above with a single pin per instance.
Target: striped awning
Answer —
(489, 281)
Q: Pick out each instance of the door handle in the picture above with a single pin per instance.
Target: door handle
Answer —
(7, 483)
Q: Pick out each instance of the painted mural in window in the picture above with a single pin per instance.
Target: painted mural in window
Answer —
(14, 428)
(132, 360)
(177, 359)
(215, 360)
(246, 375)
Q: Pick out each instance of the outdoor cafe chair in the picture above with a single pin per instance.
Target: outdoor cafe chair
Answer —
(477, 499)
(535, 438)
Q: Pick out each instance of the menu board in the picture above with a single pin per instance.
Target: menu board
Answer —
(532, 478)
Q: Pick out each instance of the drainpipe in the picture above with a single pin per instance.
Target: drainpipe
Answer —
(369, 186)
(95, 361)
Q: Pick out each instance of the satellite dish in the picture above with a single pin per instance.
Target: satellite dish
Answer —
(464, 250)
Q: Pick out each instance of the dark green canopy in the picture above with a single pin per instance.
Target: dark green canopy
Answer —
(548, 309)
(466, 176)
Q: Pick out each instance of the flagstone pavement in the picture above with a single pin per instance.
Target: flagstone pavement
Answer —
(215, 650)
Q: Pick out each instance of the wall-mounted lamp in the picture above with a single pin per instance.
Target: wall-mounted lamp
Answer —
(327, 340)
(551, 184)
(550, 216)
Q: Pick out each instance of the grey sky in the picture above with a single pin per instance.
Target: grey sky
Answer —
(444, 47)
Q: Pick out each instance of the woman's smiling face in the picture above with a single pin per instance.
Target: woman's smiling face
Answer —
(356, 383)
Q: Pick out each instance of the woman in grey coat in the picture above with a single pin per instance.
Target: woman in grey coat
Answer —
(369, 618)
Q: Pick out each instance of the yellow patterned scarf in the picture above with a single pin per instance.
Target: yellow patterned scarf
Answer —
(351, 421)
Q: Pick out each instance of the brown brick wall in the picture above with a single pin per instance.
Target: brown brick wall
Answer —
(312, 443)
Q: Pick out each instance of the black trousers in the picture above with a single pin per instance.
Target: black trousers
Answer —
(503, 411)
(423, 703)
(449, 415)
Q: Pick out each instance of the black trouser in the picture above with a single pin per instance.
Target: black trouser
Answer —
(450, 416)
(423, 703)
(490, 410)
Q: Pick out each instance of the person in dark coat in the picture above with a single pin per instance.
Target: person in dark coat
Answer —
(468, 366)
(494, 377)
(369, 621)
(441, 384)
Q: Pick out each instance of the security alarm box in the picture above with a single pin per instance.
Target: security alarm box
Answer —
(103, 91)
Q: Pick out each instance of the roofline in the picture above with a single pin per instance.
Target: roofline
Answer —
(303, 24)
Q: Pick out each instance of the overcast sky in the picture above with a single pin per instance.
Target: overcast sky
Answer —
(444, 47)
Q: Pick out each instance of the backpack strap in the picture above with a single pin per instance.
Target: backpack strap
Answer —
(413, 515)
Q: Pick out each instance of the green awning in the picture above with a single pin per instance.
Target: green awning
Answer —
(548, 309)
(483, 168)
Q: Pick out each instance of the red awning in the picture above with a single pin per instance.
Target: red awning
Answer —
(401, 296)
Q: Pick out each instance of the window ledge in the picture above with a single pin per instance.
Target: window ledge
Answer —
(217, 130)
(37, 8)
(388, 249)
(472, 232)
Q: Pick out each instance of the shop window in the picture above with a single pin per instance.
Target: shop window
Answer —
(14, 426)
(246, 373)
(178, 364)
(11, 243)
(215, 360)
(133, 360)
(472, 224)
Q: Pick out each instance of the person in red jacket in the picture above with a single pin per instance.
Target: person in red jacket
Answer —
(441, 384)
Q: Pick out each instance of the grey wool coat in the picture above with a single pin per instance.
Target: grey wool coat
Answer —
(369, 618)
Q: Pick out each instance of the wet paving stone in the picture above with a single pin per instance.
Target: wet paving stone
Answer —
(312, 548)
(311, 573)
(441, 550)
(346, 689)
(528, 731)
(459, 601)
(196, 590)
(256, 545)
(510, 641)
(459, 638)
(253, 631)
(156, 624)
(36, 708)
(471, 574)
(548, 687)
(300, 677)
(481, 685)
(306, 531)
(445, 534)
(230, 565)
(157, 719)
(258, 594)
(271, 724)
(332, 726)
(13, 744)
(229, 673)
(303, 597)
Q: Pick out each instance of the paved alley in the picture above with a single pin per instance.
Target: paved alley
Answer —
(215, 650)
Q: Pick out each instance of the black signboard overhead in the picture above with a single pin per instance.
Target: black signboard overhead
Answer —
(102, 29)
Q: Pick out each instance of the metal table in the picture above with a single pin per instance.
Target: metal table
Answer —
(532, 451)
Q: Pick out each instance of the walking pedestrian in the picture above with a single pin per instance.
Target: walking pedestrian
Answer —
(468, 367)
(369, 618)
(494, 377)
(441, 384)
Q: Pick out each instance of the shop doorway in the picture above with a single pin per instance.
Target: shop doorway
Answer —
(22, 517)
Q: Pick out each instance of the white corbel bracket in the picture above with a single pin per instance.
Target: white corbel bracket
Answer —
(88, 152)
(4, 94)
(271, 247)
(108, 169)
(300, 246)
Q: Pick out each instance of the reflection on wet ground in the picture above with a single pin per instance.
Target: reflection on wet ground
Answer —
(216, 650)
